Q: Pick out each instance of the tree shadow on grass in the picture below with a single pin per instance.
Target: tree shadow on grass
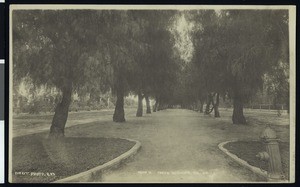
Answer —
(247, 150)
(44, 160)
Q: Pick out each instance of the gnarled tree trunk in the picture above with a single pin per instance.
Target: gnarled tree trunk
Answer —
(57, 129)
(238, 114)
(148, 111)
(139, 112)
(119, 115)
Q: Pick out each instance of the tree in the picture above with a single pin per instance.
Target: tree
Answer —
(52, 47)
(207, 37)
(234, 49)
(156, 53)
(122, 44)
(276, 83)
(257, 46)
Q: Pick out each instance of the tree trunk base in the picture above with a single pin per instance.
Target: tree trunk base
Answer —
(238, 116)
(148, 110)
(238, 113)
(57, 129)
(139, 114)
(239, 120)
(56, 132)
(119, 118)
(119, 114)
(217, 114)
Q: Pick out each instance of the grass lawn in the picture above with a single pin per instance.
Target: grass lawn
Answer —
(72, 115)
(247, 150)
(32, 120)
(36, 159)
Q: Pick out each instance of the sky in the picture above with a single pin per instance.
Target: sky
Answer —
(184, 44)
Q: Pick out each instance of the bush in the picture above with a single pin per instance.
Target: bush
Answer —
(128, 102)
(87, 108)
(34, 107)
(73, 107)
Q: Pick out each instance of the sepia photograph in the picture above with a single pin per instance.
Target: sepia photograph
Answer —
(152, 94)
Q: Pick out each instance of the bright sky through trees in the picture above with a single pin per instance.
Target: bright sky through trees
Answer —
(183, 43)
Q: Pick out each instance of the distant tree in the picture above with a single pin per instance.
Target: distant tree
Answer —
(208, 57)
(277, 85)
(153, 57)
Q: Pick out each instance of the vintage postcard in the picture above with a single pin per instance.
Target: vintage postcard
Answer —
(152, 94)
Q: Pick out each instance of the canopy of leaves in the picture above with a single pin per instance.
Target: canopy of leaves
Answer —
(154, 57)
(56, 47)
(235, 48)
(95, 50)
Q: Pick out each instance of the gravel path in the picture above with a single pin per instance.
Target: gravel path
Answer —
(177, 146)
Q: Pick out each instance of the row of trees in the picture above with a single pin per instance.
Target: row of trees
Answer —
(134, 51)
(236, 54)
(91, 50)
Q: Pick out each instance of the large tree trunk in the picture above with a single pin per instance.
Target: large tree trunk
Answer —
(216, 107)
(148, 105)
(119, 115)
(60, 117)
(139, 112)
(238, 114)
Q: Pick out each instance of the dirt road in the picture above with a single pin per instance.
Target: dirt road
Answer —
(177, 146)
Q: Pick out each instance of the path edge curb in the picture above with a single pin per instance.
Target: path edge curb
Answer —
(242, 162)
(91, 174)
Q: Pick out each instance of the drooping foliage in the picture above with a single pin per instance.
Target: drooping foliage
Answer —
(235, 48)
(224, 53)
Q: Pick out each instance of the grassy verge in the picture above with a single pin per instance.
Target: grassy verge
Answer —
(31, 121)
(36, 160)
(247, 150)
